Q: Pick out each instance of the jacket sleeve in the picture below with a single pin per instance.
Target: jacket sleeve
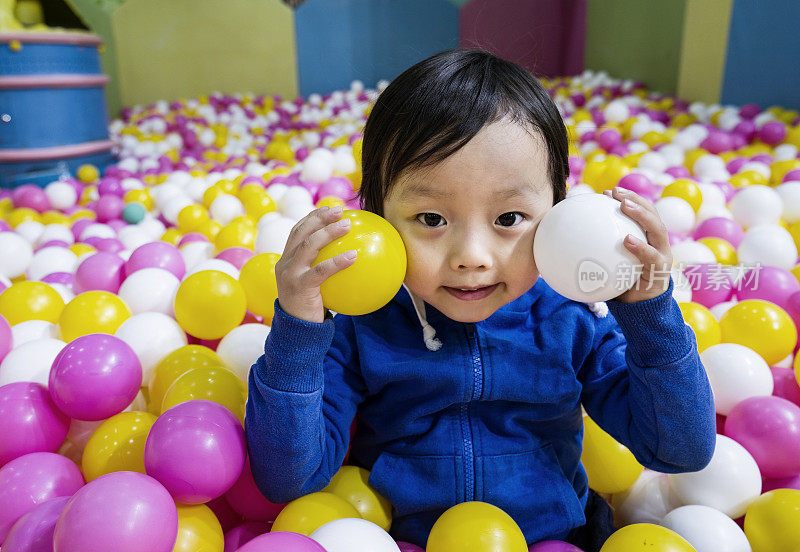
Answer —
(303, 395)
(644, 384)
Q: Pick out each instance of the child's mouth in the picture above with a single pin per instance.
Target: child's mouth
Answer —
(472, 294)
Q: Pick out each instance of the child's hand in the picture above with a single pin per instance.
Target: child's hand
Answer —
(299, 282)
(655, 255)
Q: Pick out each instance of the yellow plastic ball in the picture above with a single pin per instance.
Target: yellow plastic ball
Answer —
(191, 217)
(199, 530)
(794, 231)
(692, 156)
(175, 364)
(20, 215)
(280, 150)
(92, 312)
(81, 214)
(646, 537)
(81, 248)
(308, 513)
(761, 325)
(796, 271)
(172, 235)
(352, 484)
(88, 173)
(235, 234)
(682, 120)
(260, 286)
(686, 190)
(475, 527)
(610, 466)
(214, 384)
(140, 196)
(329, 201)
(54, 217)
(117, 445)
(377, 273)
(592, 172)
(227, 186)
(653, 138)
(358, 148)
(211, 194)
(210, 229)
(705, 326)
(772, 521)
(30, 301)
(723, 251)
(780, 168)
(256, 206)
(209, 304)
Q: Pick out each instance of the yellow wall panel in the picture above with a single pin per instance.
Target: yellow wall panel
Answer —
(705, 43)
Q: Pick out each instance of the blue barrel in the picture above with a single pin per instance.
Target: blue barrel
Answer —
(53, 115)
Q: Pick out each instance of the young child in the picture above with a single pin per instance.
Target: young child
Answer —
(468, 385)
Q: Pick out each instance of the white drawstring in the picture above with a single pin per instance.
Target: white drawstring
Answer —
(600, 309)
(428, 333)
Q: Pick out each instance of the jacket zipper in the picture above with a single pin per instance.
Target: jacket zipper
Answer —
(466, 426)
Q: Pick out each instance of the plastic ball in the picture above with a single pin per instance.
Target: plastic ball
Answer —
(343, 535)
(272, 234)
(647, 501)
(152, 336)
(61, 195)
(772, 133)
(310, 512)
(768, 244)
(209, 304)
(173, 365)
(772, 523)
(677, 214)
(724, 252)
(196, 450)
(94, 377)
(352, 484)
(31, 421)
(644, 537)
(705, 326)
(241, 347)
(121, 511)
(691, 253)
(553, 546)
(376, 275)
(30, 361)
(640, 184)
(282, 541)
(735, 373)
(198, 530)
(729, 483)
(579, 252)
(762, 326)
(32, 479)
(156, 254)
(134, 213)
(719, 227)
(610, 466)
(92, 312)
(769, 428)
(756, 205)
(101, 271)
(245, 498)
(117, 445)
(30, 301)
(686, 190)
(707, 529)
(87, 173)
(214, 384)
(768, 283)
(33, 532)
(7, 337)
(240, 535)
(150, 290)
(475, 527)
(318, 167)
(235, 234)
(17, 255)
(260, 286)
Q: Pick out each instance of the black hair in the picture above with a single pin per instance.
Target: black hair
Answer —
(435, 107)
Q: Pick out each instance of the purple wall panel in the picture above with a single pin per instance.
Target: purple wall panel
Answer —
(545, 36)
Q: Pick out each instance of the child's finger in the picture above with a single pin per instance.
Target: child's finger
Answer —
(310, 247)
(317, 274)
(310, 223)
(650, 222)
(650, 257)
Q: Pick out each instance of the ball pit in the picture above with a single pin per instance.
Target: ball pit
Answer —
(176, 244)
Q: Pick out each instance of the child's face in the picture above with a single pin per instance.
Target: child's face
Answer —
(469, 221)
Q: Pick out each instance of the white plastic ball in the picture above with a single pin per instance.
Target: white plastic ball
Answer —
(150, 290)
(225, 208)
(673, 154)
(318, 166)
(297, 211)
(31, 230)
(720, 309)
(653, 161)
(51, 259)
(676, 213)
(711, 211)
(761, 168)
(349, 534)
(272, 236)
(736, 373)
(578, 189)
(682, 287)
(343, 161)
(616, 111)
(707, 529)
(579, 248)
(276, 191)
(729, 483)
(242, 346)
(785, 152)
(65, 293)
(294, 194)
(790, 195)
(61, 195)
(712, 195)
(152, 336)
(30, 361)
(132, 237)
(173, 206)
(194, 253)
(690, 252)
(214, 264)
(17, 254)
(648, 500)
(59, 232)
(756, 204)
(31, 330)
(98, 230)
(768, 244)
(708, 164)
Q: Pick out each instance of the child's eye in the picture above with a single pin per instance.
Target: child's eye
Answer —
(431, 219)
(510, 219)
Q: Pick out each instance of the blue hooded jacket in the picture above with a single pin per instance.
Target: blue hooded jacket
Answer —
(494, 415)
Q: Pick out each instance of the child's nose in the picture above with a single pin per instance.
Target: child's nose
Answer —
(471, 252)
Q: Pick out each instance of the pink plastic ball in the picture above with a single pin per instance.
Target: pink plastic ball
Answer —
(156, 255)
(609, 138)
(121, 511)
(245, 498)
(95, 377)
(770, 283)
(101, 271)
(237, 256)
(30, 420)
(196, 449)
(109, 207)
(792, 176)
(227, 516)
(735, 165)
(244, 533)
(717, 142)
(785, 384)
(192, 237)
(710, 284)
(769, 428)
(639, 184)
(678, 171)
(33, 532)
(749, 111)
(79, 226)
(553, 546)
(110, 185)
(30, 196)
(772, 133)
(770, 484)
(746, 129)
(282, 541)
(408, 547)
(792, 308)
(337, 186)
(30, 480)
(720, 227)
(6, 338)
